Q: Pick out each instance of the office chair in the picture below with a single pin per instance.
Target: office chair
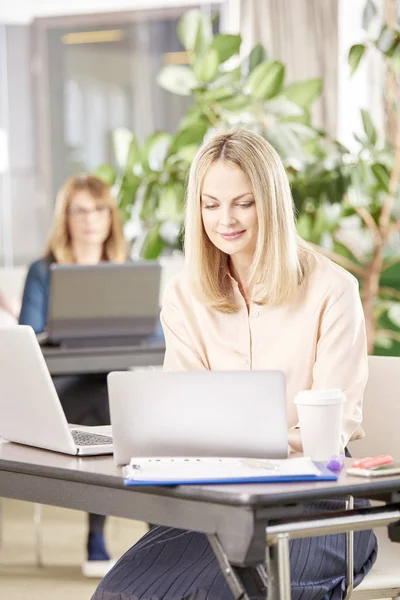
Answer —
(381, 423)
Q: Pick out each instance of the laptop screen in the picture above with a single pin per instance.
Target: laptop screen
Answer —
(103, 300)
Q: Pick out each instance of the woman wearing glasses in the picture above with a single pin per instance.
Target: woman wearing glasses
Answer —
(87, 230)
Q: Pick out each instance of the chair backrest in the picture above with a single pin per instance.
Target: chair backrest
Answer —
(381, 410)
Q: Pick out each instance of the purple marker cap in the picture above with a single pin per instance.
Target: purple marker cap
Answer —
(336, 462)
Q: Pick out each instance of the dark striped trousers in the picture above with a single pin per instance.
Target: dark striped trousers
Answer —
(172, 564)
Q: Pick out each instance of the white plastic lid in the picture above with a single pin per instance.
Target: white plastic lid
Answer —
(320, 397)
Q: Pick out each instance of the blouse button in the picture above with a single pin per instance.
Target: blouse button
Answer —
(255, 314)
(246, 361)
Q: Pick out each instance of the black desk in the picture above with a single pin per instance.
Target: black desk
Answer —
(238, 519)
(76, 361)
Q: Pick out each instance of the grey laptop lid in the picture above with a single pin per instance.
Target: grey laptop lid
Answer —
(199, 413)
(103, 301)
(30, 409)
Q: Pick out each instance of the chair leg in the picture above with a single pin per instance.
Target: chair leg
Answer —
(350, 553)
(37, 521)
(1, 523)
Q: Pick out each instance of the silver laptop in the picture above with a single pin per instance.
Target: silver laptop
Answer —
(30, 410)
(103, 303)
(200, 413)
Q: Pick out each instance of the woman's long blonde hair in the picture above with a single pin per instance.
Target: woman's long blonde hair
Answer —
(280, 260)
(59, 244)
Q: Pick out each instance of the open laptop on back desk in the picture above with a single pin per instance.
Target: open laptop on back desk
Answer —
(106, 305)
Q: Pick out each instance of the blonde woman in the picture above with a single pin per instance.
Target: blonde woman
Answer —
(87, 229)
(253, 296)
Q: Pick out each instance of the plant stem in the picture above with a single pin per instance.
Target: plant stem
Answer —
(370, 292)
(388, 291)
(370, 289)
(368, 220)
(340, 260)
(388, 334)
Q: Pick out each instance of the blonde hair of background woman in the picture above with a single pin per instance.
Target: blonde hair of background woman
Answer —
(280, 260)
(59, 243)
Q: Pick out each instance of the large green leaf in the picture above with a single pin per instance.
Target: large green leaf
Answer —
(187, 153)
(155, 150)
(107, 173)
(394, 313)
(178, 79)
(303, 132)
(192, 134)
(257, 55)
(226, 45)
(304, 226)
(369, 127)
(304, 93)
(127, 194)
(170, 204)
(150, 202)
(368, 15)
(153, 245)
(231, 77)
(195, 31)
(355, 55)
(206, 66)
(121, 139)
(265, 81)
(382, 176)
(388, 41)
(235, 103)
(282, 107)
(134, 157)
(288, 144)
(217, 94)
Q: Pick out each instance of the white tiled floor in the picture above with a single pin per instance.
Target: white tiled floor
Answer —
(63, 543)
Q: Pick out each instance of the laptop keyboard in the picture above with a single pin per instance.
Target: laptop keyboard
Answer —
(83, 438)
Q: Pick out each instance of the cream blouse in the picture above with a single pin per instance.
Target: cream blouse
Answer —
(318, 340)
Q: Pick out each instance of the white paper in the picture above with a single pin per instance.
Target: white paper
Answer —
(194, 468)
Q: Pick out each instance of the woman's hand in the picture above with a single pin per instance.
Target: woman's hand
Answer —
(295, 443)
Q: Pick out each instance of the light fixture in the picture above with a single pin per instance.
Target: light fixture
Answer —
(177, 58)
(92, 37)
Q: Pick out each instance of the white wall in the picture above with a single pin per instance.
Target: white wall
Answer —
(21, 209)
(364, 88)
(23, 11)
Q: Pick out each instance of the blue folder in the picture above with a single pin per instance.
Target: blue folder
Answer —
(324, 475)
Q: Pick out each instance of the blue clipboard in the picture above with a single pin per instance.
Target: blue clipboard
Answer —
(324, 475)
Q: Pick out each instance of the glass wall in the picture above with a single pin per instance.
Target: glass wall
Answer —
(101, 76)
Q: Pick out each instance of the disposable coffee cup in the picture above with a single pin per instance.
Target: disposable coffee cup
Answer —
(320, 419)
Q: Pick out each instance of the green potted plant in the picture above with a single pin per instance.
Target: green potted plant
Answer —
(346, 201)
(150, 177)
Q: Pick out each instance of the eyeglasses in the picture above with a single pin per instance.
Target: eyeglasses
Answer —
(80, 213)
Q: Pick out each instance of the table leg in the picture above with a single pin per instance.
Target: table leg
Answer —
(238, 591)
(37, 521)
(350, 552)
(278, 568)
